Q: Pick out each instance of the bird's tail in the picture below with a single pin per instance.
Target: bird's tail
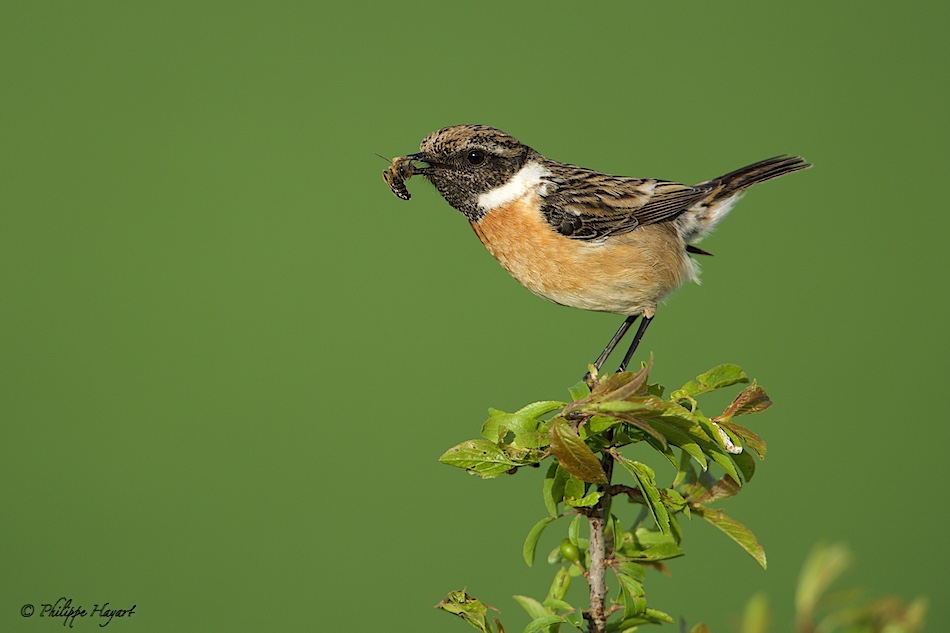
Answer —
(743, 178)
(726, 190)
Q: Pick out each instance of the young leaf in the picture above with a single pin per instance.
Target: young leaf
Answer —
(468, 608)
(745, 464)
(616, 530)
(656, 616)
(622, 385)
(633, 570)
(533, 608)
(685, 468)
(712, 450)
(634, 600)
(715, 378)
(661, 551)
(752, 399)
(553, 489)
(823, 565)
(649, 616)
(647, 481)
(531, 542)
(721, 489)
(574, 530)
(574, 488)
(543, 623)
(675, 436)
(498, 425)
(480, 457)
(750, 439)
(587, 501)
(558, 605)
(579, 391)
(559, 587)
(575, 619)
(757, 616)
(537, 409)
(734, 530)
(574, 455)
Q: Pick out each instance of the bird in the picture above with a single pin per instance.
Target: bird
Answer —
(576, 236)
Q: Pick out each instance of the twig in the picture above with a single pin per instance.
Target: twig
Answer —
(598, 554)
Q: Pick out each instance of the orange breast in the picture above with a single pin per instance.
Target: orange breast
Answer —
(623, 274)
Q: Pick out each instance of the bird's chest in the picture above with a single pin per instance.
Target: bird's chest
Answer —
(517, 235)
(621, 274)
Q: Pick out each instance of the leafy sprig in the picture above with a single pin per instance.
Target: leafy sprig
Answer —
(584, 439)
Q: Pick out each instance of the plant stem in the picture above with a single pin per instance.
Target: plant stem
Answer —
(597, 615)
(598, 586)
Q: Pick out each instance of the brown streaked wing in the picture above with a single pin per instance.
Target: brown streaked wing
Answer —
(593, 205)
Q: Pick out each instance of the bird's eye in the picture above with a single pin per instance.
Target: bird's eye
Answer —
(476, 157)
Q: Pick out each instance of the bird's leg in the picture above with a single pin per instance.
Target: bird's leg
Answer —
(612, 344)
(644, 322)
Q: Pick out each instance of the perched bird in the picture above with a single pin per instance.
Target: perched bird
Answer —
(576, 236)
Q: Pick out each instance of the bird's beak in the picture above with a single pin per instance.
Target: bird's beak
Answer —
(420, 157)
(430, 166)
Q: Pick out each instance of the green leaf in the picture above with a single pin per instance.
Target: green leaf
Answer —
(587, 501)
(734, 530)
(616, 529)
(537, 409)
(684, 467)
(750, 439)
(745, 464)
(633, 570)
(600, 423)
(646, 538)
(647, 482)
(559, 587)
(675, 436)
(650, 404)
(498, 425)
(553, 489)
(822, 567)
(721, 489)
(634, 600)
(468, 608)
(673, 500)
(543, 623)
(661, 551)
(574, 530)
(480, 457)
(533, 608)
(715, 378)
(752, 399)
(579, 391)
(649, 616)
(643, 426)
(531, 542)
(574, 488)
(720, 458)
(623, 385)
(700, 628)
(558, 605)
(573, 454)
(757, 616)
(575, 619)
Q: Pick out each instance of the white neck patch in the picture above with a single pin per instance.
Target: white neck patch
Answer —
(529, 179)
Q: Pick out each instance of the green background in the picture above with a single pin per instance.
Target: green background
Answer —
(230, 357)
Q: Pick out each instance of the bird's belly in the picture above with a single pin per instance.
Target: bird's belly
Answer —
(624, 274)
